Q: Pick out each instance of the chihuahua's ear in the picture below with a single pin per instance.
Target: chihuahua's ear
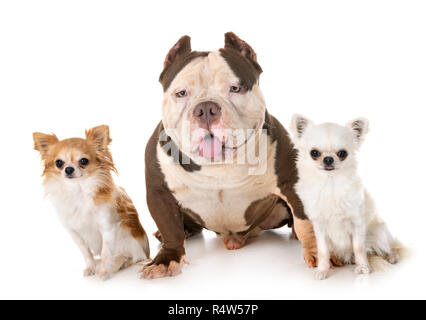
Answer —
(99, 137)
(42, 142)
(298, 125)
(359, 127)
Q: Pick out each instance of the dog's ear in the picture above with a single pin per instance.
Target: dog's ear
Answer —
(99, 138)
(232, 41)
(360, 128)
(43, 142)
(182, 47)
(298, 125)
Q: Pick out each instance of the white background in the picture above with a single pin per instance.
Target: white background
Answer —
(70, 65)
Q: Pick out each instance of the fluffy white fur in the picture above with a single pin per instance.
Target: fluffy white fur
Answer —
(342, 211)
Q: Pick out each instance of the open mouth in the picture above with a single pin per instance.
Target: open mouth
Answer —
(329, 168)
(211, 147)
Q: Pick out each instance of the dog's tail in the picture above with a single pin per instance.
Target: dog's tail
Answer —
(384, 249)
(384, 261)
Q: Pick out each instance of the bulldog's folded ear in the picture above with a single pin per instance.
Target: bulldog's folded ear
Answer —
(298, 125)
(181, 48)
(232, 41)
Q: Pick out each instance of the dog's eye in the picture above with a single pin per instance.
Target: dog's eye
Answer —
(181, 94)
(315, 154)
(59, 163)
(342, 154)
(235, 89)
(84, 161)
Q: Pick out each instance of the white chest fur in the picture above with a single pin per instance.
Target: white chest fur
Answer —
(73, 201)
(220, 194)
(335, 204)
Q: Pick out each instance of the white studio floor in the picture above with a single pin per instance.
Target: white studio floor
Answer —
(269, 267)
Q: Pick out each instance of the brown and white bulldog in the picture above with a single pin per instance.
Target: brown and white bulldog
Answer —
(218, 160)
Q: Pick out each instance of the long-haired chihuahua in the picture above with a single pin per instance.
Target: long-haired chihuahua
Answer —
(343, 213)
(99, 215)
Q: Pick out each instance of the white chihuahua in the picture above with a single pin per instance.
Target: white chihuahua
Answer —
(341, 210)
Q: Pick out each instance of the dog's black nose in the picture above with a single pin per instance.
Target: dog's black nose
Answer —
(328, 161)
(69, 170)
(207, 113)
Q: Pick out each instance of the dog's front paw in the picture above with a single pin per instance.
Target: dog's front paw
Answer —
(392, 258)
(103, 274)
(89, 271)
(155, 271)
(363, 269)
(310, 260)
(321, 274)
(91, 268)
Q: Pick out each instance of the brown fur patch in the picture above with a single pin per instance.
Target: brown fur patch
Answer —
(305, 233)
(258, 211)
(128, 214)
(163, 206)
(285, 164)
(167, 76)
(242, 59)
(192, 222)
(232, 41)
(177, 58)
(104, 193)
(181, 48)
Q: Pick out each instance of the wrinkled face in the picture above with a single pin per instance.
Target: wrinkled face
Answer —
(328, 147)
(71, 159)
(206, 103)
(208, 110)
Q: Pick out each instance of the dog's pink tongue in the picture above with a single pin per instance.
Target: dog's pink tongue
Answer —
(210, 147)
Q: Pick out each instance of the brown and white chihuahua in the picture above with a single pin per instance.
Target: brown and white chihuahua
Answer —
(99, 215)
